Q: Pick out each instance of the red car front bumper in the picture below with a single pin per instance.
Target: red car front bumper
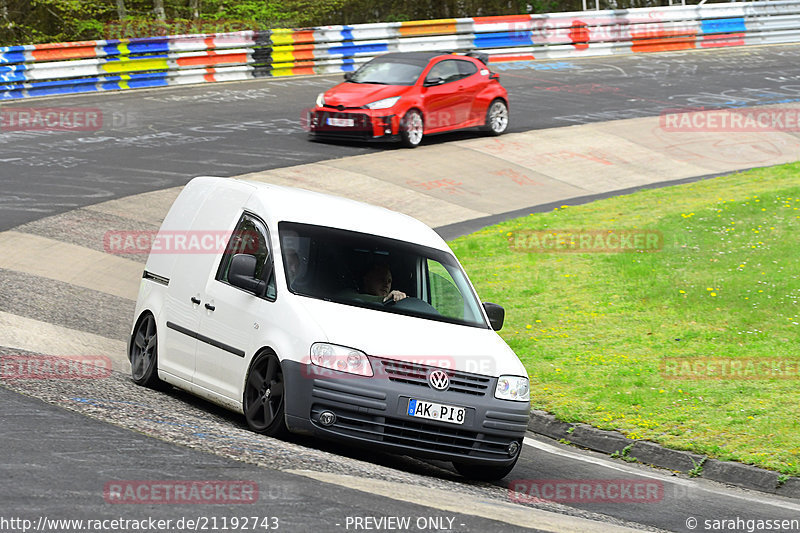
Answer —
(361, 124)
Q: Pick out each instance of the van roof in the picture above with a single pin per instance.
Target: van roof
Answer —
(289, 204)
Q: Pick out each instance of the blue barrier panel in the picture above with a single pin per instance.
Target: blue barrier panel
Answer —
(350, 50)
(503, 39)
(76, 86)
(138, 82)
(133, 59)
(148, 47)
(12, 57)
(734, 25)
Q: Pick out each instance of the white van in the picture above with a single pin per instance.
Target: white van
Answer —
(328, 317)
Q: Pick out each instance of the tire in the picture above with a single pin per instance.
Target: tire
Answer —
(484, 473)
(412, 129)
(496, 118)
(143, 353)
(264, 405)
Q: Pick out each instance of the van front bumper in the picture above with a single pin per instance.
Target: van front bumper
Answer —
(374, 412)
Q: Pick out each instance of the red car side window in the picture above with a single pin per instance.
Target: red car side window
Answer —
(446, 70)
(466, 68)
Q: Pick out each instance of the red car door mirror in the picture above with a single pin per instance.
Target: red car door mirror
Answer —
(430, 82)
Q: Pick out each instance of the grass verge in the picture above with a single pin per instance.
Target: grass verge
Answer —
(599, 331)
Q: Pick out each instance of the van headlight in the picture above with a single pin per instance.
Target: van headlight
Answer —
(513, 388)
(341, 358)
(321, 100)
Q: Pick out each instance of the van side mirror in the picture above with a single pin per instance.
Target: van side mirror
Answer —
(348, 75)
(496, 315)
(242, 274)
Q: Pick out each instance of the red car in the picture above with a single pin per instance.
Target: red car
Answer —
(403, 96)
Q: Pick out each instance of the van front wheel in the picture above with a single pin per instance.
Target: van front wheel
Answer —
(264, 396)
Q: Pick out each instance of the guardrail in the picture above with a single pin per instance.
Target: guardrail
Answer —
(77, 67)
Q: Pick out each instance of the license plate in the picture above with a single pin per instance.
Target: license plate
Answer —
(436, 411)
(341, 122)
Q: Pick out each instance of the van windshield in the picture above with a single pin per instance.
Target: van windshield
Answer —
(365, 270)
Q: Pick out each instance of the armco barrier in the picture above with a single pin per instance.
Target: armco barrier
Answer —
(39, 70)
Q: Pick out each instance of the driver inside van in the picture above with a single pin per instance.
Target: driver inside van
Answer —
(377, 282)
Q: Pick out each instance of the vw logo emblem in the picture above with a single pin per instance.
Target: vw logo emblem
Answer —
(438, 380)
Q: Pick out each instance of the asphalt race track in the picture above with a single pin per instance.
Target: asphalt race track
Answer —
(154, 139)
(57, 461)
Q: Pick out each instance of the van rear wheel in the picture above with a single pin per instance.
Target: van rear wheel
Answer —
(143, 353)
(264, 396)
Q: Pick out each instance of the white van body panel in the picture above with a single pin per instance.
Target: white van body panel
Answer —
(210, 331)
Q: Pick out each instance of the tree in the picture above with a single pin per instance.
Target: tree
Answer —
(122, 13)
(158, 10)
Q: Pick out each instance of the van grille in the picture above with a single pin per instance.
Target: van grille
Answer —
(420, 436)
(416, 374)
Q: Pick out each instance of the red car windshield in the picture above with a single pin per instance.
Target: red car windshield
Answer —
(388, 73)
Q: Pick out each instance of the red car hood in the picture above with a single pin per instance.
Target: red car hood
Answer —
(349, 94)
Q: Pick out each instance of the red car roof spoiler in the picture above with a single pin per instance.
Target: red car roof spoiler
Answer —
(480, 56)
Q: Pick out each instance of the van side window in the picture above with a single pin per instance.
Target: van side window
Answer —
(250, 237)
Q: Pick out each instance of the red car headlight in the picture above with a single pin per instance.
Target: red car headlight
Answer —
(386, 103)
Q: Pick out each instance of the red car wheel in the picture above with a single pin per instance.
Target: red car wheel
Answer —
(412, 128)
(496, 118)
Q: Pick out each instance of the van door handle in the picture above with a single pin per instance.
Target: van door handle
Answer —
(195, 300)
(210, 307)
